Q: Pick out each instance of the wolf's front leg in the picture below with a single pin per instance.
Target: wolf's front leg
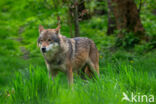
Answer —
(70, 75)
(52, 74)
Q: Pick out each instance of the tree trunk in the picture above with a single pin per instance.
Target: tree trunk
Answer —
(111, 19)
(127, 18)
(70, 20)
(76, 19)
(82, 11)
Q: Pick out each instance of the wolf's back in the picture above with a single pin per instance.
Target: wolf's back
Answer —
(84, 48)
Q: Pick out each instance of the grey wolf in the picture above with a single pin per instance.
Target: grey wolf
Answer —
(68, 54)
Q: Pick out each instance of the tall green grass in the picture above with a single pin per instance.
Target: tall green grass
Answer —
(33, 86)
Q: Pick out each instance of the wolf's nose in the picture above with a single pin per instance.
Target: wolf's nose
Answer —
(43, 49)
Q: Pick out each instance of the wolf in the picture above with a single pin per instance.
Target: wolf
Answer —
(68, 55)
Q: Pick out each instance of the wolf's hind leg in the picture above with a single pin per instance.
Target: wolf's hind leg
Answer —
(92, 70)
(94, 60)
(88, 72)
(81, 72)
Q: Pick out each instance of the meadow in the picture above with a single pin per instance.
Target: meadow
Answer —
(23, 74)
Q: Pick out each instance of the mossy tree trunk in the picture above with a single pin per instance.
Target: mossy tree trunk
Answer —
(127, 19)
(76, 19)
(111, 19)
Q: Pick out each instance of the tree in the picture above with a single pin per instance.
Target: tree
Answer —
(70, 19)
(76, 19)
(127, 19)
(111, 20)
(82, 11)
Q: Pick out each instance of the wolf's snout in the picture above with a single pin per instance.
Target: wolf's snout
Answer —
(43, 49)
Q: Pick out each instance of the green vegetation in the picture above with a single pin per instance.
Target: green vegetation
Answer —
(23, 74)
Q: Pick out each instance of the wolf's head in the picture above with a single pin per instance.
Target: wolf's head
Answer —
(48, 39)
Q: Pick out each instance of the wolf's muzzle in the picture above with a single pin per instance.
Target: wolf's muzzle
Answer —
(43, 49)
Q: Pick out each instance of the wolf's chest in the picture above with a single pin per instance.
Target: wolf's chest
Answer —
(56, 63)
(58, 67)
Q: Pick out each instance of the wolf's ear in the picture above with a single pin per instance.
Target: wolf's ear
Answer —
(41, 28)
(58, 29)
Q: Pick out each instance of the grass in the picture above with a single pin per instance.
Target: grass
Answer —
(32, 85)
